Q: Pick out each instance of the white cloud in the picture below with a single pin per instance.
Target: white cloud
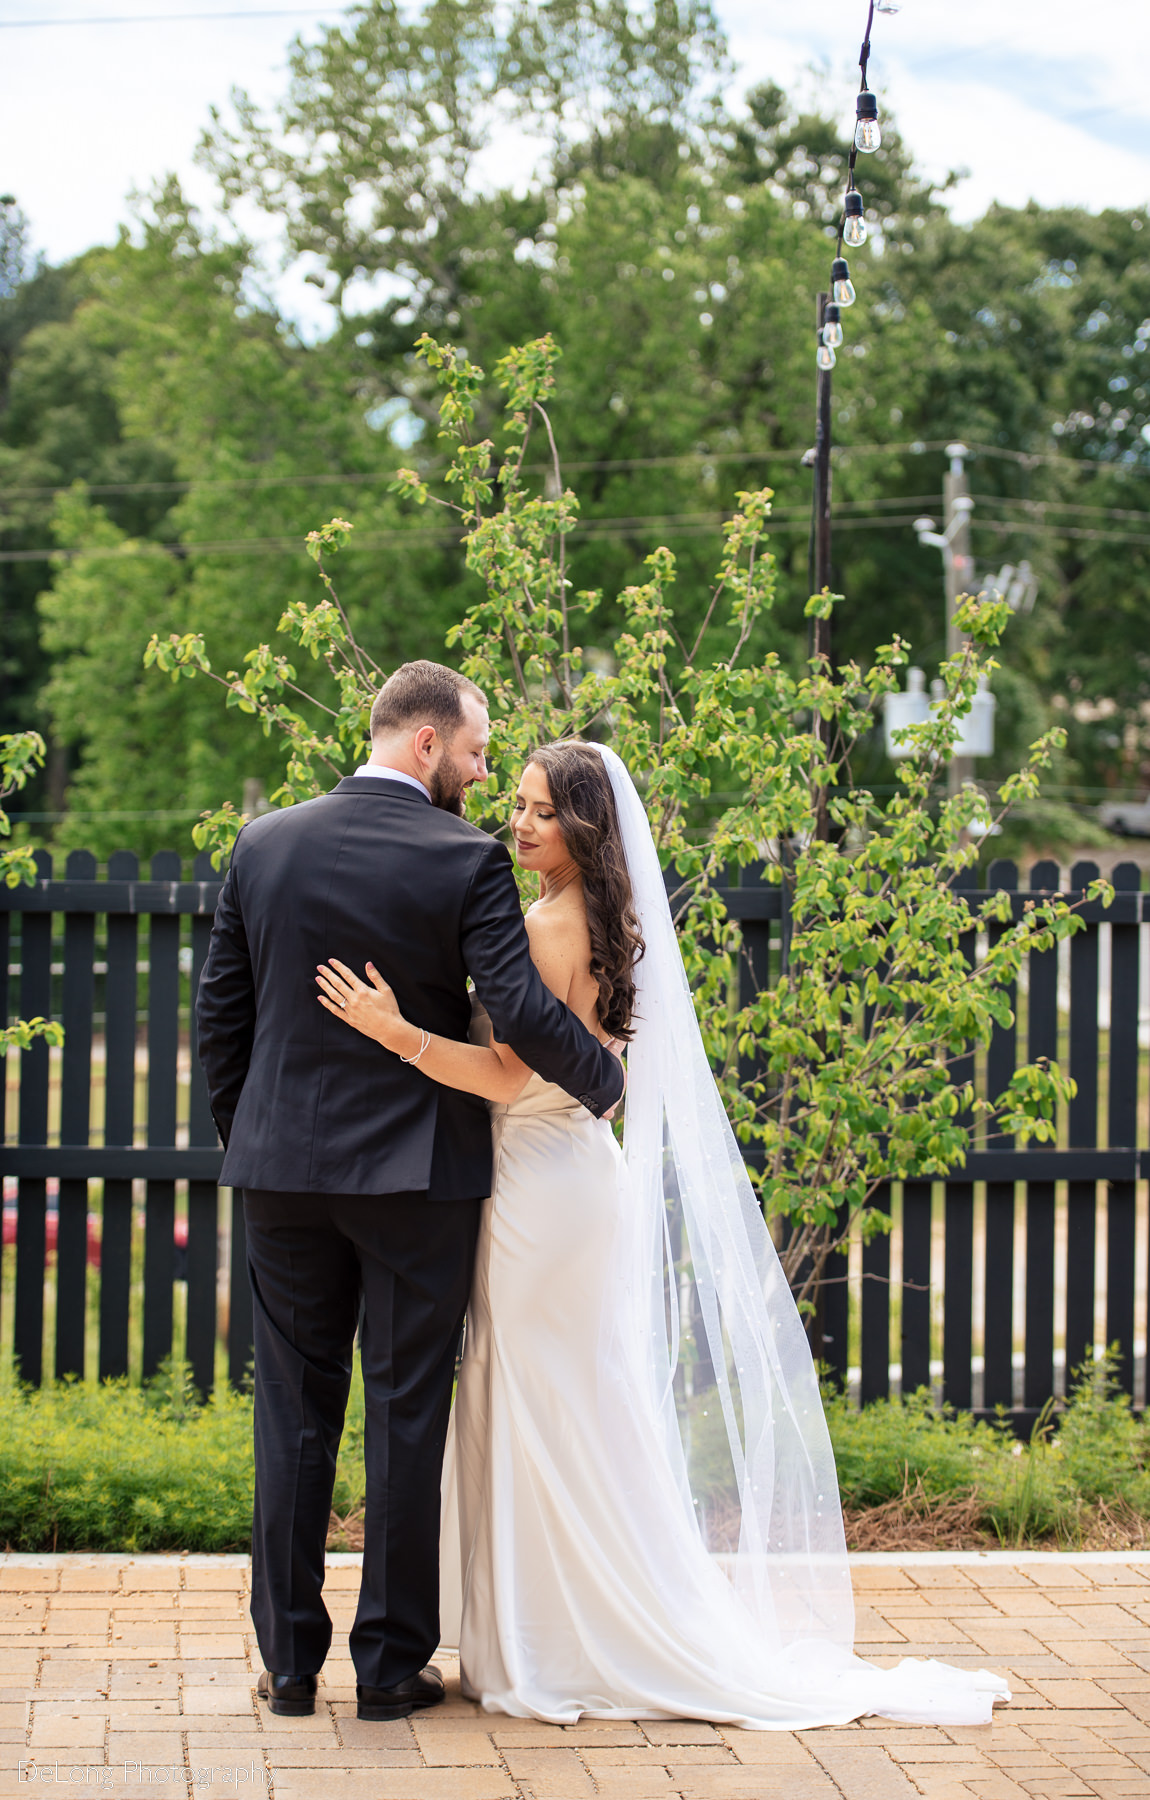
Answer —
(1039, 156)
(1037, 100)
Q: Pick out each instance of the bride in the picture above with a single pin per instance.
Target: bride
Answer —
(641, 1514)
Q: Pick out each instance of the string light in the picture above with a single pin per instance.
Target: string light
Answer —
(842, 287)
(868, 133)
(854, 221)
(852, 226)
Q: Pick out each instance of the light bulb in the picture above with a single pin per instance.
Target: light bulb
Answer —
(825, 357)
(842, 287)
(832, 330)
(854, 224)
(867, 134)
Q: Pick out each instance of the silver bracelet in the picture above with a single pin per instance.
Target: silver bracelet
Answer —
(424, 1040)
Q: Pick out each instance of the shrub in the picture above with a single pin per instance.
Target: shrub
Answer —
(114, 1467)
(136, 1469)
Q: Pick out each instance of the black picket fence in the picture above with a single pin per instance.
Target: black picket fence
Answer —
(78, 955)
(989, 1281)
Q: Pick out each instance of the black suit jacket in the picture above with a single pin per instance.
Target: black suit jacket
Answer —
(303, 1102)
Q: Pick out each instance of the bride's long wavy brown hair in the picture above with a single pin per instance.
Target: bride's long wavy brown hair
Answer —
(585, 813)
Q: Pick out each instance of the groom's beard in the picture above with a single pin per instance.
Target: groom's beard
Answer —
(447, 785)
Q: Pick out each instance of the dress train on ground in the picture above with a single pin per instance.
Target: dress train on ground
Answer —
(576, 1580)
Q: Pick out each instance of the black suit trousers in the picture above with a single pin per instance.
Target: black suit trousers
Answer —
(313, 1258)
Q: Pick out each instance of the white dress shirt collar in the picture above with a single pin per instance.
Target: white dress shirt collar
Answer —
(381, 772)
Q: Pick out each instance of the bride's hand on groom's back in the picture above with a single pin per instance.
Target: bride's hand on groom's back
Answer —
(372, 1010)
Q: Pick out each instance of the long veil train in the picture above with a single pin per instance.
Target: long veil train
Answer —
(749, 1418)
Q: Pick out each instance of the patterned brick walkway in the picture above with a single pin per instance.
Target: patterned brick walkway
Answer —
(136, 1677)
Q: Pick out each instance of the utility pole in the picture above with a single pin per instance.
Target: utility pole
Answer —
(958, 569)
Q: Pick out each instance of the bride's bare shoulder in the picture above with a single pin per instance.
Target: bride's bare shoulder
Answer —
(560, 943)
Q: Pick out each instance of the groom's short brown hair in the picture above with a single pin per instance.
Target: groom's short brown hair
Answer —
(422, 693)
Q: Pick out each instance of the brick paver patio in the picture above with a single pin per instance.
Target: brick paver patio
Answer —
(137, 1677)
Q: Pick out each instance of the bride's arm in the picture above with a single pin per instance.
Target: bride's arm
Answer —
(494, 1072)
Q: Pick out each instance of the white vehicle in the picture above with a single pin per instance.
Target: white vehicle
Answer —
(1129, 818)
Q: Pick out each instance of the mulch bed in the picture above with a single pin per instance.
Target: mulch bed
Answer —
(913, 1521)
(345, 1534)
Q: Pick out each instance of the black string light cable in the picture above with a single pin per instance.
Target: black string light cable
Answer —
(852, 223)
(829, 335)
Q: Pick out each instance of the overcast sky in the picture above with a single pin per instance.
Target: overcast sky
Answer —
(1036, 98)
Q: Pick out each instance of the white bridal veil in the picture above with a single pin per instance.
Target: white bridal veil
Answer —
(728, 1353)
(728, 1360)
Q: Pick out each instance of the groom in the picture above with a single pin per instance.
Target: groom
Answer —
(362, 1179)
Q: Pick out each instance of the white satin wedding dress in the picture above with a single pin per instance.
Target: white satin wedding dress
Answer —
(640, 1511)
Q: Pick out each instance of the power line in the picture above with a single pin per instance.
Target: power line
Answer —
(678, 524)
(688, 459)
(275, 12)
(1042, 507)
(843, 453)
(1016, 527)
(682, 524)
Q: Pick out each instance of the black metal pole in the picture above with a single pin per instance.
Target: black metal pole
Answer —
(821, 639)
(821, 628)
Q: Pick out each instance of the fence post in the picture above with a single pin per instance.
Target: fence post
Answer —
(75, 1107)
(1082, 1196)
(163, 1051)
(203, 1196)
(958, 1292)
(1042, 1040)
(875, 1356)
(120, 988)
(917, 1223)
(998, 1311)
(1122, 1126)
(32, 1203)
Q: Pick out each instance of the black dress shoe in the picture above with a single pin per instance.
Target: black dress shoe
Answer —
(418, 1691)
(292, 1696)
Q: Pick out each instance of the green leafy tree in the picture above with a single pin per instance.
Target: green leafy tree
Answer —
(20, 754)
(840, 1077)
(675, 249)
(249, 422)
(642, 178)
(373, 162)
(58, 421)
